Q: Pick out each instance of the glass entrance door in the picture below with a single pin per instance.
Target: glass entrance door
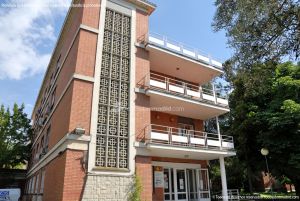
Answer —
(192, 184)
(181, 184)
(169, 192)
(186, 184)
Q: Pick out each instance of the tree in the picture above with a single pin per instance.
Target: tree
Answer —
(282, 119)
(265, 112)
(15, 134)
(260, 30)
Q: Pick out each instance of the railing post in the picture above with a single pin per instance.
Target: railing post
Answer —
(170, 135)
(205, 139)
(214, 93)
(167, 83)
(201, 92)
(165, 41)
(148, 77)
(148, 133)
(210, 58)
(185, 88)
(181, 48)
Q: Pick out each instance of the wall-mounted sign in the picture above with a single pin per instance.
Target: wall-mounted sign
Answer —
(10, 194)
(158, 179)
(181, 184)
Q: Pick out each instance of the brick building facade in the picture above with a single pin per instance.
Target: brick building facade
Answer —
(117, 101)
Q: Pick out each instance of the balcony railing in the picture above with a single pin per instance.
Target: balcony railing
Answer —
(188, 90)
(180, 48)
(164, 135)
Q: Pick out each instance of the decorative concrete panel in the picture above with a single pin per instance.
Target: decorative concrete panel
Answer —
(108, 188)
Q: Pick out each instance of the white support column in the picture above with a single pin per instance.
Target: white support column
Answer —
(219, 132)
(223, 178)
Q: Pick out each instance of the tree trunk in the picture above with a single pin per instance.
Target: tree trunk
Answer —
(249, 174)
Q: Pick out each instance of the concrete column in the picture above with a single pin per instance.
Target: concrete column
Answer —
(219, 132)
(223, 178)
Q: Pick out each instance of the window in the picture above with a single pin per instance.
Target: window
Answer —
(37, 148)
(29, 186)
(58, 63)
(51, 81)
(32, 157)
(42, 182)
(37, 184)
(113, 111)
(47, 138)
(52, 99)
(32, 185)
(42, 143)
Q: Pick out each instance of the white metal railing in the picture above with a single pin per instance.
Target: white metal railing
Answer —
(159, 82)
(162, 41)
(233, 194)
(159, 134)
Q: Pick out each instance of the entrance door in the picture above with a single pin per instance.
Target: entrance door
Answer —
(169, 192)
(181, 184)
(185, 129)
(186, 184)
(203, 186)
(192, 184)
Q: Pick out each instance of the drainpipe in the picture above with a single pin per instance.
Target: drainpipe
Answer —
(223, 179)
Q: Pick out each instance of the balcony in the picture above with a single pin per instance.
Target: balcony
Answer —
(195, 101)
(175, 59)
(176, 142)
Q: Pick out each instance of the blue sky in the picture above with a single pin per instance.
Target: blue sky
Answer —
(30, 35)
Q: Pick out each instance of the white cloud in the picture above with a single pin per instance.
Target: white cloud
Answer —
(26, 32)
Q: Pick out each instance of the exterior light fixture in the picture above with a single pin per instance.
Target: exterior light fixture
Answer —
(172, 119)
(264, 151)
(79, 131)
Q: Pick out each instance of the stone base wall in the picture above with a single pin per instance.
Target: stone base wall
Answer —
(108, 188)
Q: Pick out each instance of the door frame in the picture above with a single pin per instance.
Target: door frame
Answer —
(175, 167)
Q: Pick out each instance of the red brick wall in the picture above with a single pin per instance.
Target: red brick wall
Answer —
(54, 179)
(142, 102)
(170, 120)
(74, 177)
(64, 175)
(144, 172)
(81, 105)
(203, 163)
(86, 55)
(91, 15)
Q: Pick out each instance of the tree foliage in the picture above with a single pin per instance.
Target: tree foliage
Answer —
(264, 105)
(260, 30)
(15, 133)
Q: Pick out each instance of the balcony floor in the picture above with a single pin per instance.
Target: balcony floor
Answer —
(183, 106)
(160, 150)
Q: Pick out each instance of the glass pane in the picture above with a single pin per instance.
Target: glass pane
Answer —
(181, 181)
(166, 180)
(181, 196)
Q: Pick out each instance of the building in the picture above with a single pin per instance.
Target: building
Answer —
(117, 102)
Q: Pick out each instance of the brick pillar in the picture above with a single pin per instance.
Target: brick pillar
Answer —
(144, 172)
(158, 194)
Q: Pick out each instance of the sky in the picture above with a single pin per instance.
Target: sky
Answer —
(29, 30)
